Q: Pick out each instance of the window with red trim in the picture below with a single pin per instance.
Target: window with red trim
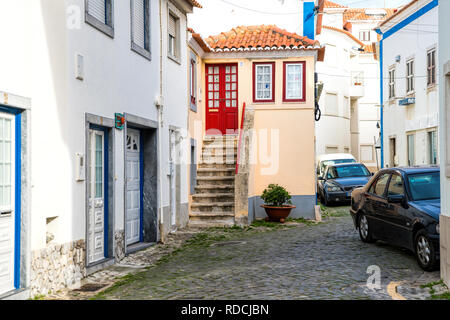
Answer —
(264, 82)
(294, 85)
(193, 82)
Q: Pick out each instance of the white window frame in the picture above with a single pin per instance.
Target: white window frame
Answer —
(107, 26)
(391, 83)
(193, 82)
(410, 69)
(143, 51)
(431, 68)
(302, 97)
(271, 97)
(364, 33)
(175, 55)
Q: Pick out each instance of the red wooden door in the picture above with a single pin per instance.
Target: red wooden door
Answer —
(221, 99)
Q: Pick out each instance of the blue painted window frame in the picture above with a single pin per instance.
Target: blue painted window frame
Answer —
(18, 189)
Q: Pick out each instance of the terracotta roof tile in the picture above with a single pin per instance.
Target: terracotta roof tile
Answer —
(262, 36)
(195, 3)
(329, 4)
(347, 33)
(359, 14)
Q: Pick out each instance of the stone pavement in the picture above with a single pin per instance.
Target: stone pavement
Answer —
(298, 261)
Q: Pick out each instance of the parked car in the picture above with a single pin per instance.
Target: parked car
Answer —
(339, 180)
(325, 160)
(401, 206)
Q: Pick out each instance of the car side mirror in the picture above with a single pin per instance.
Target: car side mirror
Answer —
(398, 198)
(372, 174)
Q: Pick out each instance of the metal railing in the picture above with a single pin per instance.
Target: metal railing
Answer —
(240, 139)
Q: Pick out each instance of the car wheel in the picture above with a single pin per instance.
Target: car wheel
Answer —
(424, 250)
(364, 229)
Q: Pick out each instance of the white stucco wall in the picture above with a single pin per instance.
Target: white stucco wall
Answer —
(412, 41)
(444, 58)
(40, 64)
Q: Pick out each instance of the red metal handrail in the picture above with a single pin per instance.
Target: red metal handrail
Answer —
(240, 139)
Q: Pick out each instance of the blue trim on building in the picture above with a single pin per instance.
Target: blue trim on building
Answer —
(381, 106)
(10, 110)
(308, 20)
(106, 186)
(106, 197)
(18, 199)
(410, 19)
(386, 35)
(141, 187)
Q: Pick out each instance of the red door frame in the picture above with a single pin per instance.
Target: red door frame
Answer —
(225, 119)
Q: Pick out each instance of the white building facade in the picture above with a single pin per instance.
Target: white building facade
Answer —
(354, 78)
(444, 133)
(93, 145)
(338, 99)
(410, 86)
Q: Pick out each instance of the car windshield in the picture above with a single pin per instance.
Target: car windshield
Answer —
(327, 163)
(425, 186)
(356, 170)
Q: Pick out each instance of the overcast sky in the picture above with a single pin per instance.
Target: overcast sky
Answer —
(222, 15)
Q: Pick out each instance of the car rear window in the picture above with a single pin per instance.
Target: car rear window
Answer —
(356, 170)
(326, 163)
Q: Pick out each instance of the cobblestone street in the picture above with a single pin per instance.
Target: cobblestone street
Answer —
(299, 261)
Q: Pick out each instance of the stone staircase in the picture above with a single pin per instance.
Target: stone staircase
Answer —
(213, 203)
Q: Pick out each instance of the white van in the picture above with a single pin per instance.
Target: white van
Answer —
(325, 160)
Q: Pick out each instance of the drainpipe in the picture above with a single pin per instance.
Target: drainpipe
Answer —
(159, 103)
(378, 30)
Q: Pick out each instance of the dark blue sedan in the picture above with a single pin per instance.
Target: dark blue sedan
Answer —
(339, 180)
(401, 206)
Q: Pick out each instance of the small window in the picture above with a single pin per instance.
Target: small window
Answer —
(264, 82)
(140, 27)
(431, 67)
(396, 186)
(294, 82)
(193, 83)
(410, 76)
(392, 84)
(364, 35)
(173, 27)
(99, 14)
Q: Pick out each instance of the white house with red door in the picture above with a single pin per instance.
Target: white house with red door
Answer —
(91, 136)
(254, 121)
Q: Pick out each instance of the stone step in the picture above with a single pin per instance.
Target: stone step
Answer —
(209, 139)
(213, 207)
(214, 215)
(208, 189)
(215, 180)
(217, 172)
(212, 198)
(211, 223)
(216, 166)
(219, 161)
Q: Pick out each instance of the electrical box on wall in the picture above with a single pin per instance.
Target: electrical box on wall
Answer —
(80, 166)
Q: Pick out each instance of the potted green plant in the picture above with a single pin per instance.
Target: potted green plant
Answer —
(277, 203)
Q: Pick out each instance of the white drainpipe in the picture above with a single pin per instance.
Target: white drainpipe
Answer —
(159, 103)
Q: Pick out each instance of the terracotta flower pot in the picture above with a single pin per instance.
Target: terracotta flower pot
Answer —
(278, 214)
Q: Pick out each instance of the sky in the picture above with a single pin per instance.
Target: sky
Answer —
(222, 15)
